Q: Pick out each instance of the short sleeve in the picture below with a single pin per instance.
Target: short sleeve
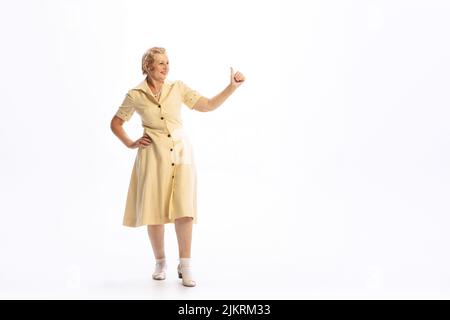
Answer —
(189, 96)
(127, 109)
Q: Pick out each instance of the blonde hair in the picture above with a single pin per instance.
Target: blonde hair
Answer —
(149, 57)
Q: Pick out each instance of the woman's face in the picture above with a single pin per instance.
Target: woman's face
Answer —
(160, 67)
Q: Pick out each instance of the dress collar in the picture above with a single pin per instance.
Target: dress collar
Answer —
(143, 86)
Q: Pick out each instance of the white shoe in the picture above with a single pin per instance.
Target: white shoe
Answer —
(160, 270)
(185, 273)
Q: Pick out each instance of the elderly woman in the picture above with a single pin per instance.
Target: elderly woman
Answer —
(163, 186)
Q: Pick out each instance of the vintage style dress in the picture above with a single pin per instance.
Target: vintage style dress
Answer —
(163, 184)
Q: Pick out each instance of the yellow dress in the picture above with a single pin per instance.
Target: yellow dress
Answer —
(163, 184)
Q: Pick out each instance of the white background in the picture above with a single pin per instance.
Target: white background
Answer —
(325, 175)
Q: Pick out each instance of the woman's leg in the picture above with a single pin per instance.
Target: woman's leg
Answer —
(156, 235)
(183, 228)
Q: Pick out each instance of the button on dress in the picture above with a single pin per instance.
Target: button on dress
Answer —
(163, 183)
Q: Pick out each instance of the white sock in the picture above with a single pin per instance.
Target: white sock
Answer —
(185, 268)
(160, 265)
(185, 261)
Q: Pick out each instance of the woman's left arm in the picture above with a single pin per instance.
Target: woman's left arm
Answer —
(204, 104)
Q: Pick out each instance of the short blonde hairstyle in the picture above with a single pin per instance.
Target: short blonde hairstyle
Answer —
(149, 57)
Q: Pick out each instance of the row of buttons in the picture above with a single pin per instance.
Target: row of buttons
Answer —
(159, 106)
(162, 118)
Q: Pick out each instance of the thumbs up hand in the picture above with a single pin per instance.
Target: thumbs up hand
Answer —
(236, 79)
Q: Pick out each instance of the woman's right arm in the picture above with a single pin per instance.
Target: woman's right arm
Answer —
(117, 129)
